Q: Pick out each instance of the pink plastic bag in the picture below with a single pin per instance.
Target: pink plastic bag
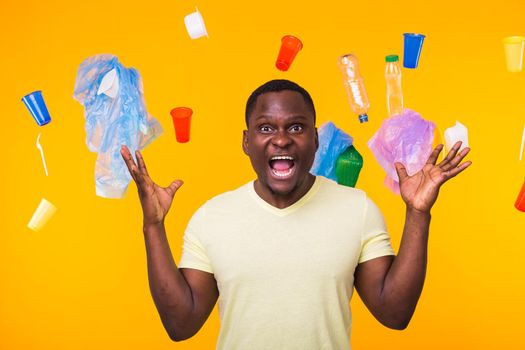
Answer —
(406, 138)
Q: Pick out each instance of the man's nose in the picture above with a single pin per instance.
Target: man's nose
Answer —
(281, 139)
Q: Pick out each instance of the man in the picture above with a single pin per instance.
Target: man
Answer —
(283, 253)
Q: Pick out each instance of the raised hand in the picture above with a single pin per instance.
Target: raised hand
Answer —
(155, 200)
(421, 190)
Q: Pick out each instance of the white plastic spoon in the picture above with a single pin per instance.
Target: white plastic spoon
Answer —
(41, 153)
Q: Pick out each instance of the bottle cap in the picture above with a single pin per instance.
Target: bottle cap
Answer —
(363, 118)
(392, 58)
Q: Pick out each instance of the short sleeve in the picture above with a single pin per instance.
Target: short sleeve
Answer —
(194, 254)
(375, 240)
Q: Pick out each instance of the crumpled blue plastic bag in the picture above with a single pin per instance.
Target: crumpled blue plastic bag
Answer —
(332, 142)
(406, 138)
(113, 122)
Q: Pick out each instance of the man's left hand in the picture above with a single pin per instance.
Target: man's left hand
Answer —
(420, 190)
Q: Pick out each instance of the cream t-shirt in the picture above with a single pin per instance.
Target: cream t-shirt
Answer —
(285, 276)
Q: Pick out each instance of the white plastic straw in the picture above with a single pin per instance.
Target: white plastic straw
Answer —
(41, 153)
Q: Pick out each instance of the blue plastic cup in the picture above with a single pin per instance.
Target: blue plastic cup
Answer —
(36, 105)
(413, 46)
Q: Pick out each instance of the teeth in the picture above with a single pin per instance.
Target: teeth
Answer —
(282, 157)
(282, 173)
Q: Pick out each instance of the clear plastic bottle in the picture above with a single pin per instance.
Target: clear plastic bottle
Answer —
(394, 91)
(354, 85)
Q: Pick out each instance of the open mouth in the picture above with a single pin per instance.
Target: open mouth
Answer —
(282, 166)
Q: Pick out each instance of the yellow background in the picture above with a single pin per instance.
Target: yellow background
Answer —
(81, 282)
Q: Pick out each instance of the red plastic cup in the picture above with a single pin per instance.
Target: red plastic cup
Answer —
(290, 46)
(520, 202)
(182, 121)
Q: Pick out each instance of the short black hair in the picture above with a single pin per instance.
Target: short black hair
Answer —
(277, 85)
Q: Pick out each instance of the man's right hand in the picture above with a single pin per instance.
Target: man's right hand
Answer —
(185, 297)
(155, 200)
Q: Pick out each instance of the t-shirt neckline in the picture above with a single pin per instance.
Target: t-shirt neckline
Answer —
(288, 210)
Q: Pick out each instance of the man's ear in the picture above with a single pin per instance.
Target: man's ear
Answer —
(245, 142)
(316, 139)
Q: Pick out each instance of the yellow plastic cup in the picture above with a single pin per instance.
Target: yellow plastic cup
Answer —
(513, 46)
(43, 213)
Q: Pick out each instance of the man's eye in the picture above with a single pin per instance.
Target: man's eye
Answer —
(296, 128)
(265, 128)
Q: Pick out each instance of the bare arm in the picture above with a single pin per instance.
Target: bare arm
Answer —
(184, 298)
(390, 286)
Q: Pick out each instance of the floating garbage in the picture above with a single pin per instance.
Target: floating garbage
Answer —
(348, 166)
(458, 132)
(290, 46)
(37, 107)
(39, 146)
(406, 138)
(109, 84)
(195, 25)
(413, 43)
(332, 142)
(394, 90)
(354, 86)
(115, 111)
(182, 122)
(513, 46)
(42, 214)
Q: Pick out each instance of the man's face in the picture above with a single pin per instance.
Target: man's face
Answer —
(281, 141)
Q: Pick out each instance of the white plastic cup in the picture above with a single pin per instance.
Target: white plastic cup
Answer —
(458, 132)
(109, 85)
(43, 213)
(195, 25)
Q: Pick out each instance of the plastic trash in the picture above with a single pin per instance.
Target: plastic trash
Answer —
(513, 46)
(113, 121)
(348, 166)
(332, 142)
(41, 216)
(458, 132)
(406, 138)
(195, 25)
(354, 86)
(37, 107)
(394, 90)
(109, 84)
(290, 46)
(413, 43)
(181, 117)
(39, 146)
